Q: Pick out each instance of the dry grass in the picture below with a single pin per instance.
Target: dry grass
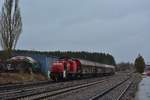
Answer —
(17, 77)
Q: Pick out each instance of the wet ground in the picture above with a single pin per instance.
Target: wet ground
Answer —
(144, 89)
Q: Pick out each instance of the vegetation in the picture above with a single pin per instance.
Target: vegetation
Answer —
(139, 64)
(95, 56)
(10, 26)
(19, 77)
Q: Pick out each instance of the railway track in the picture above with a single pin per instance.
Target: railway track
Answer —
(124, 91)
(114, 93)
(47, 91)
(11, 86)
(22, 86)
(40, 88)
(51, 94)
(58, 94)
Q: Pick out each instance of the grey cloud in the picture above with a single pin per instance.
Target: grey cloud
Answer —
(119, 27)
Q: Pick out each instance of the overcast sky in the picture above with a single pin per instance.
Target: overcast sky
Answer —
(118, 27)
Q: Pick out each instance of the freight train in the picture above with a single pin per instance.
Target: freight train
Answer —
(70, 68)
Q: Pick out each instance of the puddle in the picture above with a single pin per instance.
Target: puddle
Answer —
(144, 89)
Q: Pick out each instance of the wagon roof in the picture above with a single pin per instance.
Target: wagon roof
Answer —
(91, 63)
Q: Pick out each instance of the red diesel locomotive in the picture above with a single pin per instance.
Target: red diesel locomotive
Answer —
(68, 68)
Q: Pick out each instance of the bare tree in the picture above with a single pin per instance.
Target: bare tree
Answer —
(10, 26)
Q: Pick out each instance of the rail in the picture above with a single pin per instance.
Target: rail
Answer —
(98, 96)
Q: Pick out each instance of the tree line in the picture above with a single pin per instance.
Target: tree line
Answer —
(92, 56)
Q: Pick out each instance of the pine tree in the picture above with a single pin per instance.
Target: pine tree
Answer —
(139, 64)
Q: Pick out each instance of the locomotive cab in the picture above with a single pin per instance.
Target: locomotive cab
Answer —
(65, 69)
(57, 71)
